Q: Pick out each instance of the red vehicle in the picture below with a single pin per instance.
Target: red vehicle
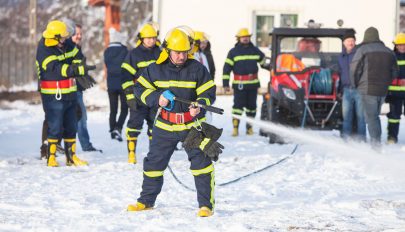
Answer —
(303, 87)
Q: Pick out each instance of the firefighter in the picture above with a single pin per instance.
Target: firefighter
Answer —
(242, 61)
(176, 74)
(59, 65)
(145, 53)
(396, 91)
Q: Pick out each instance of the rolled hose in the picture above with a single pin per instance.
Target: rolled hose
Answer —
(322, 82)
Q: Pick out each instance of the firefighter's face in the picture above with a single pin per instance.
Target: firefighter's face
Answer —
(349, 44)
(178, 58)
(203, 44)
(401, 48)
(244, 39)
(149, 42)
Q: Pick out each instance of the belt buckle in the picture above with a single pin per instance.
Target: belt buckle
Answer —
(179, 118)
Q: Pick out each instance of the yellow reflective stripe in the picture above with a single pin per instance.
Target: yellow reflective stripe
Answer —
(226, 77)
(390, 120)
(129, 68)
(207, 100)
(127, 84)
(144, 64)
(246, 82)
(63, 91)
(69, 140)
(153, 174)
(204, 87)
(205, 170)
(53, 140)
(229, 61)
(48, 60)
(130, 96)
(204, 143)
(178, 84)
(64, 70)
(237, 111)
(77, 61)
(401, 62)
(250, 111)
(145, 83)
(81, 70)
(146, 93)
(38, 70)
(246, 57)
(396, 88)
(176, 127)
(70, 54)
(212, 184)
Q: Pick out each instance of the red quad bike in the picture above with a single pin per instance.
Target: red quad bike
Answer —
(303, 86)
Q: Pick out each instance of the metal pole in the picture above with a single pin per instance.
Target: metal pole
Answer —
(32, 41)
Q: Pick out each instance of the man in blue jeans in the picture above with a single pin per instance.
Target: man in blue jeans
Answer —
(372, 70)
(351, 102)
(82, 131)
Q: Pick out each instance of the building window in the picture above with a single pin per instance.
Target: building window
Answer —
(288, 20)
(264, 25)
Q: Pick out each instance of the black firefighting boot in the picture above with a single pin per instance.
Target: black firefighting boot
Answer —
(51, 157)
(70, 152)
(249, 129)
(235, 123)
(131, 142)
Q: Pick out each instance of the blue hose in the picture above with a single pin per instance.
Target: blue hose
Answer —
(322, 82)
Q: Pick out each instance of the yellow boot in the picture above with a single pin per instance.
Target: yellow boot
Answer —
(51, 161)
(205, 212)
(70, 152)
(138, 207)
(249, 129)
(235, 123)
(131, 151)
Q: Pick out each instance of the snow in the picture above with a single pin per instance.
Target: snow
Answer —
(326, 185)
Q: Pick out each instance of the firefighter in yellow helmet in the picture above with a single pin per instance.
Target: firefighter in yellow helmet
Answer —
(145, 53)
(242, 60)
(396, 91)
(175, 75)
(59, 63)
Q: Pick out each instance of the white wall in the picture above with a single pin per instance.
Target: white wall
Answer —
(221, 19)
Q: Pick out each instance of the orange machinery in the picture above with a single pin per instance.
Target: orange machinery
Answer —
(112, 16)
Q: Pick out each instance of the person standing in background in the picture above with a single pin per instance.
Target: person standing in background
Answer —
(372, 70)
(205, 47)
(352, 108)
(114, 55)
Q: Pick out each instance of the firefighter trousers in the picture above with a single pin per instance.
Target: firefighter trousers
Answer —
(162, 147)
(245, 100)
(394, 117)
(136, 119)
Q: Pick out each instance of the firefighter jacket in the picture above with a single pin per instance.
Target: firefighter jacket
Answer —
(397, 87)
(135, 61)
(191, 81)
(55, 73)
(114, 56)
(242, 60)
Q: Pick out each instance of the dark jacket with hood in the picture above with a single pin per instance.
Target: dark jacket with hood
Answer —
(114, 55)
(374, 66)
(207, 52)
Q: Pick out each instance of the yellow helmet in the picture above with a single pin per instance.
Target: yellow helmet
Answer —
(200, 36)
(177, 40)
(400, 38)
(243, 32)
(148, 31)
(55, 29)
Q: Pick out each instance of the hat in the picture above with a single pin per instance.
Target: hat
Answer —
(371, 35)
(349, 34)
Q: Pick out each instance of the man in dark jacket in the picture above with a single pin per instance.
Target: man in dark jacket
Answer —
(242, 61)
(373, 68)
(351, 102)
(114, 55)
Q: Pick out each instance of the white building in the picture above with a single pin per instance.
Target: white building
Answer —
(221, 19)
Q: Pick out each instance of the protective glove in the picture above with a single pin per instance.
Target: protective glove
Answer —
(193, 139)
(86, 81)
(130, 96)
(169, 96)
(214, 150)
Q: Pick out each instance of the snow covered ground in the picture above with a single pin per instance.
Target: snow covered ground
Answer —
(326, 185)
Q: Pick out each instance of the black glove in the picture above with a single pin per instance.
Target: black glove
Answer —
(130, 96)
(86, 81)
(205, 140)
